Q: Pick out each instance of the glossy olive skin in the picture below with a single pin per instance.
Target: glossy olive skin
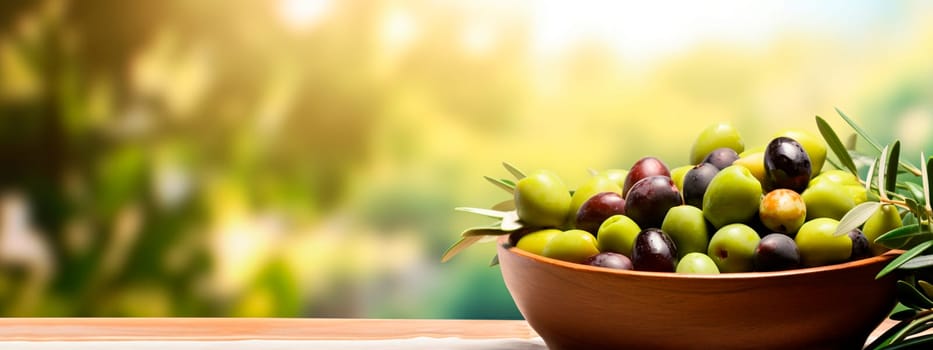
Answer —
(571, 245)
(610, 260)
(542, 199)
(721, 157)
(696, 181)
(860, 246)
(782, 210)
(650, 199)
(776, 252)
(597, 209)
(643, 168)
(787, 165)
(654, 251)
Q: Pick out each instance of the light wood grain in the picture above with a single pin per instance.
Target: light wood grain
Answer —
(78, 329)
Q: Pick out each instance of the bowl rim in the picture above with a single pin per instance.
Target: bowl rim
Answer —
(503, 242)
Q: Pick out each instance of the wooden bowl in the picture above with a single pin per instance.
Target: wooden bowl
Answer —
(574, 306)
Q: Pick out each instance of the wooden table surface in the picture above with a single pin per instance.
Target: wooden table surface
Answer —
(226, 329)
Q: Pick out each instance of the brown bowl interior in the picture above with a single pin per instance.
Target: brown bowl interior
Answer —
(574, 306)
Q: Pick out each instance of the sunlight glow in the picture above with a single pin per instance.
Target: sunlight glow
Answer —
(302, 15)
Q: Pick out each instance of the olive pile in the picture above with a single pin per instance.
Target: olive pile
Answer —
(736, 210)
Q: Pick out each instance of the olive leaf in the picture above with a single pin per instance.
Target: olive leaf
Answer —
(918, 262)
(494, 261)
(856, 217)
(889, 336)
(458, 247)
(903, 232)
(902, 315)
(518, 174)
(905, 257)
(893, 155)
(911, 297)
(921, 342)
(927, 181)
(484, 212)
(483, 231)
(882, 173)
(511, 221)
(872, 142)
(508, 186)
(832, 140)
(925, 287)
(914, 190)
(505, 205)
(871, 173)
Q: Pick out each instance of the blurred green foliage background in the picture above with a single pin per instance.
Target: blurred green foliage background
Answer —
(302, 157)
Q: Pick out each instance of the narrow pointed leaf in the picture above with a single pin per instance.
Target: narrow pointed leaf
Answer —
(882, 172)
(888, 336)
(832, 140)
(518, 174)
(505, 205)
(856, 217)
(458, 247)
(915, 191)
(911, 297)
(920, 261)
(915, 207)
(890, 176)
(871, 173)
(482, 231)
(925, 287)
(494, 261)
(901, 260)
(484, 212)
(927, 180)
(921, 342)
(905, 314)
(487, 239)
(899, 233)
(511, 222)
(861, 132)
(510, 188)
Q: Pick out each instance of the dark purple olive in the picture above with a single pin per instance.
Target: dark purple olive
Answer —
(650, 199)
(860, 247)
(695, 182)
(610, 260)
(776, 252)
(787, 165)
(654, 251)
(721, 157)
(597, 209)
(643, 168)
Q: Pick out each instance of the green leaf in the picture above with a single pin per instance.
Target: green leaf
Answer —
(832, 140)
(871, 172)
(914, 190)
(925, 287)
(901, 260)
(458, 247)
(915, 208)
(505, 185)
(927, 180)
(894, 153)
(888, 336)
(856, 217)
(882, 172)
(484, 212)
(905, 314)
(920, 261)
(872, 142)
(921, 342)
(908, 295)
(494, 261)
(505, 205)
(518, 174)
(482, 231)
(899, 233)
